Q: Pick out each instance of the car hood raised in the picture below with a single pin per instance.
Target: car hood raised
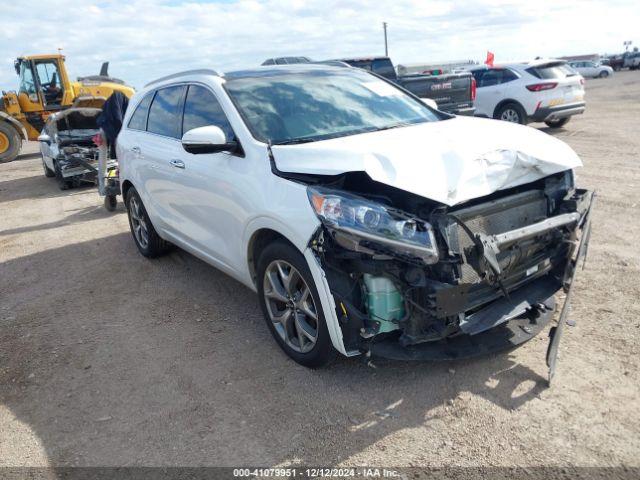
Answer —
(449, 161)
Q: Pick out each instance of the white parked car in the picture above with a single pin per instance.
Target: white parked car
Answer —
(546, 91)
(367, 221)
(590, 69)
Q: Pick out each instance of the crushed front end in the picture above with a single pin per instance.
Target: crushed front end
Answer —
(78, 163)
(76, 153)
(416, 279)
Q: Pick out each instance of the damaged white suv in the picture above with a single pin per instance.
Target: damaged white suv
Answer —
(367, 222)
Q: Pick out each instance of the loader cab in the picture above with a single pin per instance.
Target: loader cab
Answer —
(43, 83)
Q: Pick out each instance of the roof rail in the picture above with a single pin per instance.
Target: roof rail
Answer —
(200, 71)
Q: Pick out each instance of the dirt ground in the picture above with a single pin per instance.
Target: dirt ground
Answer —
(107, 358)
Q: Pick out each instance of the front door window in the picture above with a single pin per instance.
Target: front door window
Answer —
(49, 79)
(27, 84)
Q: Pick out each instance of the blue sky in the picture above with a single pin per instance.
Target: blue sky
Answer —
(144, 39)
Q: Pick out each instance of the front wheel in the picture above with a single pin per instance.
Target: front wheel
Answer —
(291, 305)
(47, 171)
(603, 74)
(558, 123)
(63, 183)
(512, 112)
(110, 203)
(10, 142)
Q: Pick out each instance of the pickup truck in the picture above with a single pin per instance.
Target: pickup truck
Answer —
(453, 92)
(631, 60)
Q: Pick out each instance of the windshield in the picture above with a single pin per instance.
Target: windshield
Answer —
(308, 105)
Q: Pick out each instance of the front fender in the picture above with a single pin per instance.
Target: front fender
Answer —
(300, 237)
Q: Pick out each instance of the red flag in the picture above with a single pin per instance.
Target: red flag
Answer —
(489, 60)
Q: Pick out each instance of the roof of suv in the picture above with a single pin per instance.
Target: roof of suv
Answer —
(271, 70)
(262, 71)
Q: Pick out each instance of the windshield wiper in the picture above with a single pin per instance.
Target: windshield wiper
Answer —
(294, 141)
(395, 125)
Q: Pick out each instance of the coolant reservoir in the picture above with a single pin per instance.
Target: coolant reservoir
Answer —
(384, 301)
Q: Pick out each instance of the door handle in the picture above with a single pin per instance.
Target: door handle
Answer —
(177, 163)
(136, 150)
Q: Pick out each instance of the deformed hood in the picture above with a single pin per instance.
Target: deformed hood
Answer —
(76, 119)
(449, 161)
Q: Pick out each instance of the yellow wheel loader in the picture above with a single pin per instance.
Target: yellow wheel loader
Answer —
(44, 89)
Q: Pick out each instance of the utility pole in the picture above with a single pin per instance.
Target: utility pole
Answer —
(386, 46)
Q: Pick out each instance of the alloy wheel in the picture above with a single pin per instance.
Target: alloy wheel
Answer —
(138, 222)
(290, 306)
(510, 115)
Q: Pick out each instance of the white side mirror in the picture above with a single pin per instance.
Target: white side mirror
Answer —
(45, 138)
(209, 139)
(430, 103)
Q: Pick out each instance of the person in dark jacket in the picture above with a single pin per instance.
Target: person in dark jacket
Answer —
(110, 123)
(110, 120)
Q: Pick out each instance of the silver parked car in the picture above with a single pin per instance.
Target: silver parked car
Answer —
(592, 69)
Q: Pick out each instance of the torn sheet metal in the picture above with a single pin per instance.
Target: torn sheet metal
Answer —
(449, 161)
(556, 332)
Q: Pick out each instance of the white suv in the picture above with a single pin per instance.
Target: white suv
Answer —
(546, 91)
(344, 201)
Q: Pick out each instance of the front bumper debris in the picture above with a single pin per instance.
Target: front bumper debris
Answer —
(578, 254)
(512, 319)
(501, 262)
(506, 336)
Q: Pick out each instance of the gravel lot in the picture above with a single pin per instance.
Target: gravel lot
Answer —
(107, 358)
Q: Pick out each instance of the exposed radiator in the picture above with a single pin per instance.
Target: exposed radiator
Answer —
(490, 218)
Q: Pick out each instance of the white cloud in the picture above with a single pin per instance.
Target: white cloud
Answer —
(144, 39)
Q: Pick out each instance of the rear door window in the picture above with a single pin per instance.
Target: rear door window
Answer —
(508, 76)
(490, 78)
(166, 111)
(139, 118)
(201, 109)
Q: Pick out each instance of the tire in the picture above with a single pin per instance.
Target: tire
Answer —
(149, 243)
(558, 123)
(511, 112)
(47, 171)
(62, 183)
(603, 74)
(10, 142)
(302, 337)
(110, 203)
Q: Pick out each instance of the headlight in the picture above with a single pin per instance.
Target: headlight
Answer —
(375, 223)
